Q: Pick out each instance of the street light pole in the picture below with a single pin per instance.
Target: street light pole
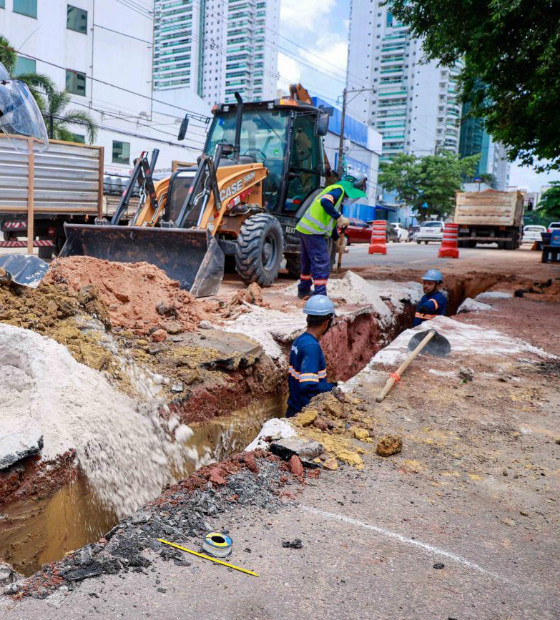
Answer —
(340, 167)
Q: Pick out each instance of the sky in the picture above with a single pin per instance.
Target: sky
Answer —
(321, 28)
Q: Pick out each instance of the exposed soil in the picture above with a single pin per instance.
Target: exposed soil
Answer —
(138, 296)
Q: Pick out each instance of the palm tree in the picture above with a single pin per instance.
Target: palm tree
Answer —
(38, 84)
(57, 119)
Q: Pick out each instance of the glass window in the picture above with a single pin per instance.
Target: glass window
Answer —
(76, 82)
(121, 152)
(2, 4)
(76, 137)
(26, 7)
(306, 162)
(76, 19)
(24, 65)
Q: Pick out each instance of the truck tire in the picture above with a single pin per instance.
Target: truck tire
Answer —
(259, 251)
(46, 253)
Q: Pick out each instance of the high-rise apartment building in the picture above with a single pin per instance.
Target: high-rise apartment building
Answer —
(476, 140)
(215, 48)
(413, 104)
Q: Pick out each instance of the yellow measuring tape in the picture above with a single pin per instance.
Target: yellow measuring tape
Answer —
(207, 557)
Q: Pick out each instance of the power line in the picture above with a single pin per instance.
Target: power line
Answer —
(129, 36)
(192, 114)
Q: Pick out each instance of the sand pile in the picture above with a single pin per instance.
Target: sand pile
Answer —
(125, 450)
(138, 296)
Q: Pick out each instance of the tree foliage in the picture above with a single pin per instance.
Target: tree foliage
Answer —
(511, 50)
(549, 205)
(427, 183)
(58, 118)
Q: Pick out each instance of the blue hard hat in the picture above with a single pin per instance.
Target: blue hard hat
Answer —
(433, 275)
(319, 305)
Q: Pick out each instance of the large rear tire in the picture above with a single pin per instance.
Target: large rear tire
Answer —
(260, 247)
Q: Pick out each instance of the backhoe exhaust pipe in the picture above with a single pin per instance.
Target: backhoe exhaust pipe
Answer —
(238, 121)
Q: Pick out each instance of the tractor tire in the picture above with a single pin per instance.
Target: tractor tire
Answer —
(259, 252)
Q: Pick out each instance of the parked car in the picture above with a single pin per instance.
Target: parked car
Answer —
(553, 226)
(402, 232)
(532, 233)
(430, 231)
(358, 231)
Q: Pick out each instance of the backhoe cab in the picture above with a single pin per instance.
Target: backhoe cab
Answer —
(262, 165)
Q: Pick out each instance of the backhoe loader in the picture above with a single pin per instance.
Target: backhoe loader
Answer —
(263, 164)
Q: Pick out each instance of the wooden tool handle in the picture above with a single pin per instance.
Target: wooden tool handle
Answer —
(396, 376)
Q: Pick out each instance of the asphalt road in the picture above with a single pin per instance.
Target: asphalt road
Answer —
(418, 256)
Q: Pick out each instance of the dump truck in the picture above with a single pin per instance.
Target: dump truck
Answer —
(490, 217)
(263, 164)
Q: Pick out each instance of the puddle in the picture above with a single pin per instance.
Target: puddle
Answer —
(36, 532)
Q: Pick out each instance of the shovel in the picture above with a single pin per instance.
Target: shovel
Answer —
(429, 342)
(22, 269)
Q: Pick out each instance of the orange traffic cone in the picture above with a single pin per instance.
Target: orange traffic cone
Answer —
(378, 243)
(449, 246)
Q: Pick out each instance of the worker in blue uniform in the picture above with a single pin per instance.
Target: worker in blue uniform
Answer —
(433, 302)
(308, 369)
(318, 224)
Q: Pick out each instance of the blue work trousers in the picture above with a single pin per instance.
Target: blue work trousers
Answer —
(315, 264)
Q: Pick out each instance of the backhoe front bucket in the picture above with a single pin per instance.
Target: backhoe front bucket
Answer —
(191, 256)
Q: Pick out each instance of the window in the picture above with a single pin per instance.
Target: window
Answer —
(121, 152)
(76, 19)
(24, 65)
(2, 4)
(26, 7)
(76, 82)
(76, 137)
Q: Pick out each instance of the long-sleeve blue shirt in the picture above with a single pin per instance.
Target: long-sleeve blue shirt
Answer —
(429, 307)
(327, 202)
(307, 372)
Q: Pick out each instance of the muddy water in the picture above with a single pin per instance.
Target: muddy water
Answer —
(36, 532)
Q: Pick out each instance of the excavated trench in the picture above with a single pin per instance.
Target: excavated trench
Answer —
(41, 525)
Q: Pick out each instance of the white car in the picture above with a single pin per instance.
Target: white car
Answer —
(402, 232)
(553, 226)
(532, 233)
(430, 231)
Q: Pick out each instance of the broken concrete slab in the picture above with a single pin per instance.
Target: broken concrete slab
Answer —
(306, 450)
(272, 430)
(470, 305)
(18, 440)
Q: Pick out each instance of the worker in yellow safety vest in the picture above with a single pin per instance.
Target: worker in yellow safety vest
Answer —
(318, 224)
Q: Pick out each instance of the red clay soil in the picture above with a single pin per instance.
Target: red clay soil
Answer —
(138, 296)
(35, 478)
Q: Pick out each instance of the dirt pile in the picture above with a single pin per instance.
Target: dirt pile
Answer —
(139, 297)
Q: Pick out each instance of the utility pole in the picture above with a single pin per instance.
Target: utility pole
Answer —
(340, 167)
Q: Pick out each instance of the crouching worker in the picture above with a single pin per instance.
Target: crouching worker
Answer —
(308, 370)
(433, 302)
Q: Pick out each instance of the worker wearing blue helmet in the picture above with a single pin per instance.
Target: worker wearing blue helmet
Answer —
(308, 369)
(433, 302)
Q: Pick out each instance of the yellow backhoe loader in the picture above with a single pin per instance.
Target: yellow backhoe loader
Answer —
(262, 165)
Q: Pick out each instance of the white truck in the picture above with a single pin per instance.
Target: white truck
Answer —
(490, 217)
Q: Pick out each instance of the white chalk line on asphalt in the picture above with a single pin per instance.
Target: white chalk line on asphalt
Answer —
(405, 540)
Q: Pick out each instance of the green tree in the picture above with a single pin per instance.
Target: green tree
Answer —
(549, 205)
(39, 84)
(57, 118)
(511, 50)
(427, 183)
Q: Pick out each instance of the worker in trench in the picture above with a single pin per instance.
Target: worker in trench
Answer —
(433, 302)
(318, 224)
(307, 374)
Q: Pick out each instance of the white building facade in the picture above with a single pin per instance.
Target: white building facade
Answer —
(412, 104)
(101, 51)
(214, 48)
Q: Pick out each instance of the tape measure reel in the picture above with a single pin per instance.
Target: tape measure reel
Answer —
(217, 544)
